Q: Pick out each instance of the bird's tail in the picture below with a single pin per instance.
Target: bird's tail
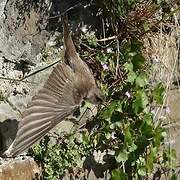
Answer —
(70, 50)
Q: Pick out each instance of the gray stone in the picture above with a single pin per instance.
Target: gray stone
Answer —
(20, 33)
(19, 169)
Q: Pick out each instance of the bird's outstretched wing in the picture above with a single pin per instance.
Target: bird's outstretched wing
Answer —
(54, 102)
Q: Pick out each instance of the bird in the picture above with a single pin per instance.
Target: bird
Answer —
(70, 83)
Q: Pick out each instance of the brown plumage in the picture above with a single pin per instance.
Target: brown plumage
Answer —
(70, 82)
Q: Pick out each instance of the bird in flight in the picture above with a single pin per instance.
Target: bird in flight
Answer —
(68, 85)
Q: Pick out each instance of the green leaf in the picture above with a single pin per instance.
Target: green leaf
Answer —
(142, 171)
(146, 130)
(116, 125)
(146, 26)
(113, 111)
(128, 137)
(148, 118)
(158, 136)
(128, 67)
(140, 102)
(174, 176)
(118, 174)
(131, 54)
(109, 110)
(158, 93)
(132, 147)
(119, 107)
(85, 138)
(131, 76)
(107, 135)
(92, 40)
(150, 159)
(122, 156)
(138, 62)
(115, 117)
(173, 156)
(141, 80)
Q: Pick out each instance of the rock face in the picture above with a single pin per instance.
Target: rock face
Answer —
(22, 37)
(28, 31)
(174, 102)
(17, 169)
(174, 125)
(21, 29)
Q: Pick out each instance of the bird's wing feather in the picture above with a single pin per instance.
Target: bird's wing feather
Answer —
(52, 104)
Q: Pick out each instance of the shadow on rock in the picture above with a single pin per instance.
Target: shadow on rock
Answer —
(99, 169)
(8, 130)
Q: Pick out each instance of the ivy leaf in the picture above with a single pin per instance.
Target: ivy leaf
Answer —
(115, 125)
(138, 62)
(128, 66)
(92, 40)
(148, 118)
(146, 26)
(140, 102)
(142, 170)
(131, 54)
(131, 76)
(115, 117)
(85, 138)
(107, 135)
(118, 174)
(158, 136)
(119, 107)
(150, 159)
(109, 110)
(122, 156)
(132, 147)
(141, 80)
(128, 137)
(174, 176)
(158, 93)
(147, 130)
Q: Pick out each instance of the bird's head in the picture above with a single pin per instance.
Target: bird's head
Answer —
(95, 96)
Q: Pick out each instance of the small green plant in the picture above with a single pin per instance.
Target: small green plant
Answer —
(127, 127)
(57, 154)
(124, 127)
